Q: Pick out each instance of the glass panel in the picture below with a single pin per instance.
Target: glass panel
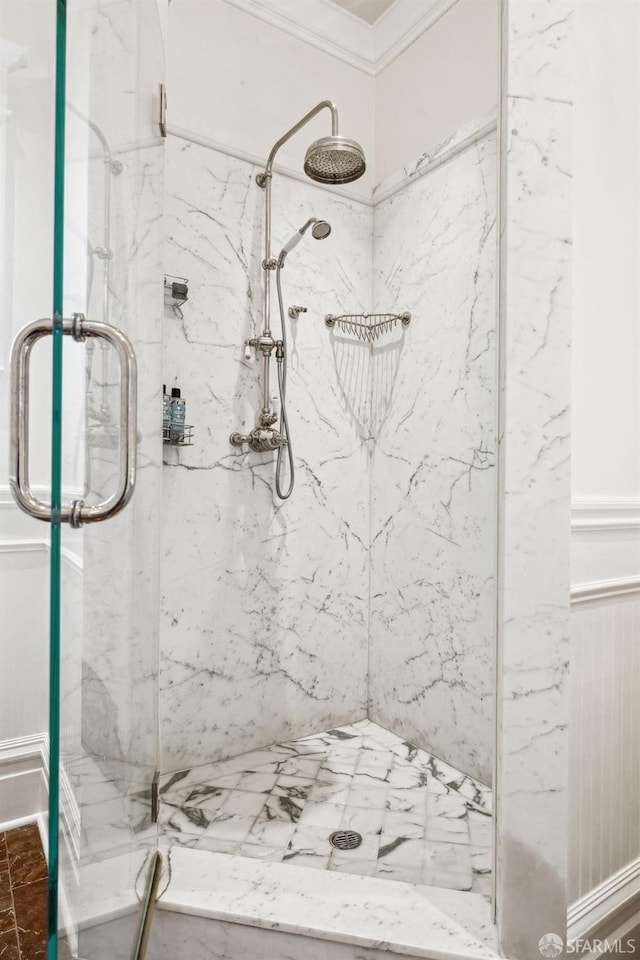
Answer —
(27, 128)
(109, 592)
(80, 205)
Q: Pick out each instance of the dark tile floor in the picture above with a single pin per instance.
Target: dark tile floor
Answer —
(23, 895)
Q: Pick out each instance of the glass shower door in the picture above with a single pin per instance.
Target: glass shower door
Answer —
(92, 83)
(109, 607)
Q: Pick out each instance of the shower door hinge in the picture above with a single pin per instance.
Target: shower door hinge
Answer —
(162, 121)
(155, 797)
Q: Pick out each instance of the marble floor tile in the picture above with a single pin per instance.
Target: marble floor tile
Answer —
(330, 792)
(362, 868)
(367, 793)
(406, 799)
(400, 851)
(229, 827)
(364, 820)
(258, 851)
(302, 766)
(481, 860)
(326, 815)
(296, 788)
(272, 833)
(300, 859)
(447, 865)
(257, 782)
(310, 840)
(283, 808)
(404, 824)
(445, 830)
(23, 895)
(449, 806)
(480, 829)
(241, 804)
(215, 845)
(422, 821)
(401, 872)
(196, 811)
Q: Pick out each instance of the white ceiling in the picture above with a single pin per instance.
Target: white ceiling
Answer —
(367, 10)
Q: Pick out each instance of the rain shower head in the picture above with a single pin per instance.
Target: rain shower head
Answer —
(335, 159)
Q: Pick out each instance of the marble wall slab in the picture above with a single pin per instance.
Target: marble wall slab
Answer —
(535, 324)
(433, 475)
(264, 604)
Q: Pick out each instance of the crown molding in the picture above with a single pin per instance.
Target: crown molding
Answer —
(401, 25)
(319, 23)
(335, 31)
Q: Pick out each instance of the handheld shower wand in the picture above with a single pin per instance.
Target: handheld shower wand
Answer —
(320, 230)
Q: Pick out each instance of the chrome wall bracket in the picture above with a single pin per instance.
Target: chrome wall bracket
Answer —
(79, 329)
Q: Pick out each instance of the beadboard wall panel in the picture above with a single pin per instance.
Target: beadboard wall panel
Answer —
(605, 737)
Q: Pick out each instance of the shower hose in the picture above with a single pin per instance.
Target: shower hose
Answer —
(282, 389)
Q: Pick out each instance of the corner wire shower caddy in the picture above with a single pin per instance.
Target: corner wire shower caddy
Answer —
(367, 326)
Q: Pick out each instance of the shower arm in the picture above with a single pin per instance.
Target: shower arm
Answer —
(263, 179)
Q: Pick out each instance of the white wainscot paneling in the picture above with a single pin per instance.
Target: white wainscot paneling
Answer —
(605, 708)
(24, 599)
(24, 656)
(605, 739)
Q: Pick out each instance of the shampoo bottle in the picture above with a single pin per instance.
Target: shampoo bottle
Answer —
(177, 414)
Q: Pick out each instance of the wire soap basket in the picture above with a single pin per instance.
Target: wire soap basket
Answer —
(367, 326)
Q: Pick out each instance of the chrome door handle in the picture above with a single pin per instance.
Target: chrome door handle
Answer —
(77, 512)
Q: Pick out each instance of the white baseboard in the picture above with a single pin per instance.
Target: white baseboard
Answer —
(24, 790)
(24, 778)
(608, 910)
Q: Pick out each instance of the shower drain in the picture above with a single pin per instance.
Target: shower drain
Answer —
(345, 839)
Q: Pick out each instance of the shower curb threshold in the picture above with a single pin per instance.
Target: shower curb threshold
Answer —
(385, 915)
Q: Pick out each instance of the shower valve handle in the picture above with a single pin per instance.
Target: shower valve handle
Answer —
(264, 344)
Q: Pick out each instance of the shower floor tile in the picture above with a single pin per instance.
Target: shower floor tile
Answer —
(422, 821)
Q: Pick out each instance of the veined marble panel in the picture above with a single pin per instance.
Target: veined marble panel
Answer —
(434, 483)
(535, 324)
(265, 604)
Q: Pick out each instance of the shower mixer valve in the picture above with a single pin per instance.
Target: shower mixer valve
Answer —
(264, 437)
(264, 344)
(261, 439)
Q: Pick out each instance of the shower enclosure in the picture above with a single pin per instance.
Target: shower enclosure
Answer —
(296, 701)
